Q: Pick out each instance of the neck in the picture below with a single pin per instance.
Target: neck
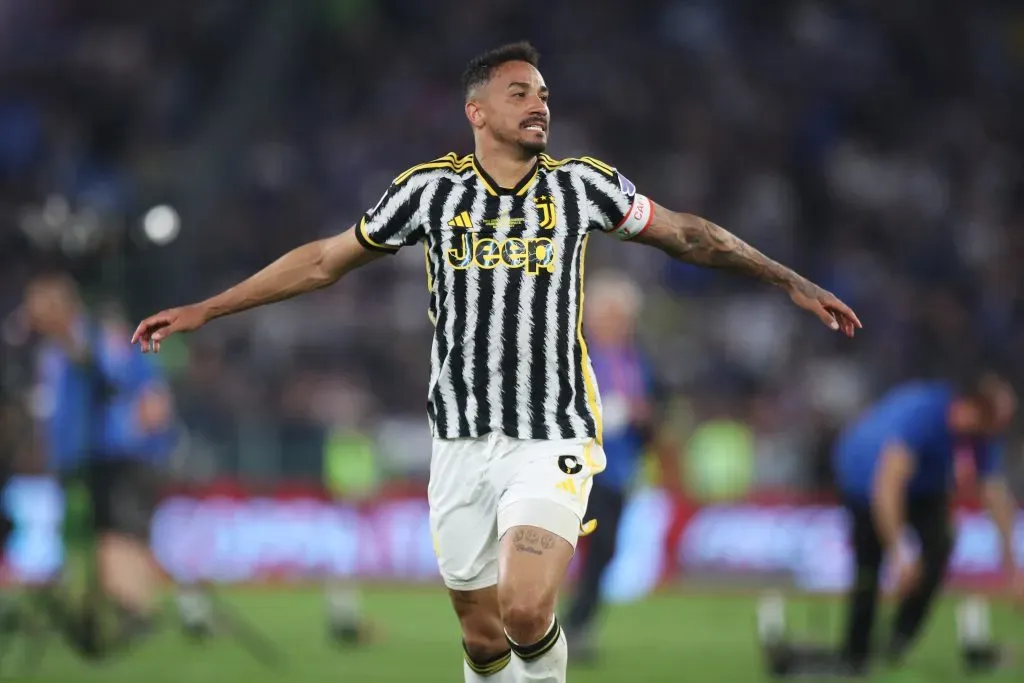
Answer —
(504, 163)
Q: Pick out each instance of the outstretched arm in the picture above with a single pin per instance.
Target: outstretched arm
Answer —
(307, 268)
(696, 240)
(304, 269)
(384, 229)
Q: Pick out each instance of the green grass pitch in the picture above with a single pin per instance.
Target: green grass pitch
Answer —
(671, 637)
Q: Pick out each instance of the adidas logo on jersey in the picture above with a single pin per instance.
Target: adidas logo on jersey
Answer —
(463, 220)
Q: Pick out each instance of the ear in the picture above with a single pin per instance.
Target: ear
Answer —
(475, 114)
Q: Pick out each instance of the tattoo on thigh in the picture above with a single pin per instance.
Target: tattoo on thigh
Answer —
(532, 541)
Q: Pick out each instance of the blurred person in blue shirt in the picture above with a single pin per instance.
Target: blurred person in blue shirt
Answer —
(108, 423)
(627, 409)
(896, 465)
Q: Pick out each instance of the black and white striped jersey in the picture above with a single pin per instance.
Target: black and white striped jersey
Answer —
(505, 272)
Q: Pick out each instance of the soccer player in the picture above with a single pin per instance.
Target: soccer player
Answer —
(627, 401)
(512, 405)
(895, 465)
(110, 424)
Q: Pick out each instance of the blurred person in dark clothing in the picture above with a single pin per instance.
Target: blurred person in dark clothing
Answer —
(108, 426)
(626, 386)
(896, 465)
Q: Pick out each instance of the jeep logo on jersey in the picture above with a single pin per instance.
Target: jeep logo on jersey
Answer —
(548, 215)
(532, 253)
(569, 464)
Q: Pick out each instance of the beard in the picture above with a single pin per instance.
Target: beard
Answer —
(524, 140)
(533, 147)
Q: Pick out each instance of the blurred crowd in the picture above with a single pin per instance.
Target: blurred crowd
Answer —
(877, 147)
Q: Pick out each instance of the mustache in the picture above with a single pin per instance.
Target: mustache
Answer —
(534, 120)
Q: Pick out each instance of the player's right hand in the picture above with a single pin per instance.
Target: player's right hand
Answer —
(156, 328)
(826, 305)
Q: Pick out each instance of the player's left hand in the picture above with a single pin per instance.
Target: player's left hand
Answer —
(833, 312)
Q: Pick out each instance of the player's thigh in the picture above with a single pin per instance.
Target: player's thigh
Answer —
(930, 518)
(100, 480)
(463, 509)
(539, 516)
(547, 484)
(132, 492)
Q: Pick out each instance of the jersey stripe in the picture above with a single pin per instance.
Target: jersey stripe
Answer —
(458, 361)
(581, 404)
(513, 352)
(543, 383)
(587, 370)
(482, 342)
(443, 392)
(476, 372)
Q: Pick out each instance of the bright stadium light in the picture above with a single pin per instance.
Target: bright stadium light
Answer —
(161, 225)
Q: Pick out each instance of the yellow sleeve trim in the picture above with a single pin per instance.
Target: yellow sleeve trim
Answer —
(369, 240)
(450, 161)
(549, 163)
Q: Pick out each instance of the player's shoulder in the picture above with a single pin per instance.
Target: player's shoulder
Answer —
(450, 164)
(571, 164)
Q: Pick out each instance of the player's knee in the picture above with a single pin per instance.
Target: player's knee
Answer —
(482, 633)
(526, 619)
(484, 645)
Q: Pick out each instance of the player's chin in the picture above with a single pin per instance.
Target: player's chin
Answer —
(534, 142)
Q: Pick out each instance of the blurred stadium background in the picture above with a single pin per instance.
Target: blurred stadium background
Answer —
(165, 149)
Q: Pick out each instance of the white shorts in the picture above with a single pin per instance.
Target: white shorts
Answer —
(480, 488)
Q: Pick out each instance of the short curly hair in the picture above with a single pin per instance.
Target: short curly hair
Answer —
(480, 69)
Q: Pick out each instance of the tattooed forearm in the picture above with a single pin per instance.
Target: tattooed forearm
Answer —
(532, 541)
(696, 240)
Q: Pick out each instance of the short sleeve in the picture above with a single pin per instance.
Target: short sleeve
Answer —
(619, 208)
(921, 429)
(394, 222)
(914, 435)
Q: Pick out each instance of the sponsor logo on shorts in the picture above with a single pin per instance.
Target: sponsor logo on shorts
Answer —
(569, 464)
